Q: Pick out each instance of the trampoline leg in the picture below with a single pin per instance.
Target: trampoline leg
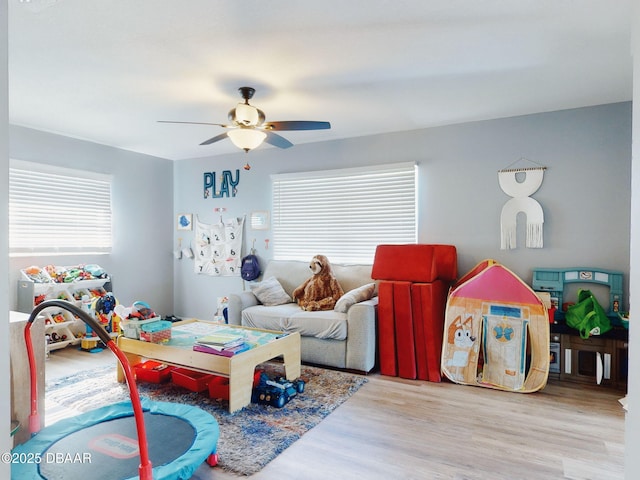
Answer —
(212, 460)
(145, 472)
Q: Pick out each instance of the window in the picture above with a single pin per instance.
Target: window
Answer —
(56, 210)
(343, 214)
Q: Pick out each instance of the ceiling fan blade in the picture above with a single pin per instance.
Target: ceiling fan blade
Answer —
(297, 125)
(195, 123)
(277, 141)
(217, 138)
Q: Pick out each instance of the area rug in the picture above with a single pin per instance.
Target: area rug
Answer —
(249, 438)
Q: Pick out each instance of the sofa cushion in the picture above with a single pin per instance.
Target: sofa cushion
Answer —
(320, 324)
(326, 324)
(269, 318)
(270, 292)
(365, 292)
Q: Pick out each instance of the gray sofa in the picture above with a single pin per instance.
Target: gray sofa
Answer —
(331, 338)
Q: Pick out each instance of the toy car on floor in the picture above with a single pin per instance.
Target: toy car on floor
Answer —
(276, 393)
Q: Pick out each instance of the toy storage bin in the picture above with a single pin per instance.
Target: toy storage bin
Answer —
(219, 386)
(190, 379)
(153, 372)
(131, 327)
(40, 275)
(156, 332)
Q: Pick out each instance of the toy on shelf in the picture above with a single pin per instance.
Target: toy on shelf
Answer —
(60, 274)
(102, 308)
(36, 274)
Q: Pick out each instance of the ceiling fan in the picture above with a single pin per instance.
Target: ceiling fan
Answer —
(248, 129)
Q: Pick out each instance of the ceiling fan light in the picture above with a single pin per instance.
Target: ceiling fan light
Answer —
(247, 115)
(246, 138)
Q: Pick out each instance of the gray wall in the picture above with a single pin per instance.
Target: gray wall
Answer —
(585, 194)
(142, 202)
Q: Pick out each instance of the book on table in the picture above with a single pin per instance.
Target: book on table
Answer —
(226, 344)
(225, 340)
(223, 351)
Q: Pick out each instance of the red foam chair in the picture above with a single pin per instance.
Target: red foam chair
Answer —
(414, 282)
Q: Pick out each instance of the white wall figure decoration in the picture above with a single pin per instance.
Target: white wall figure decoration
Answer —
(521, 202)
(218, 247)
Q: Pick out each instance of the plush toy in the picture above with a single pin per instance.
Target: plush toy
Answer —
(321, 291)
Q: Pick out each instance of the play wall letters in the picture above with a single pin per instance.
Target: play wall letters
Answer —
(228, 185)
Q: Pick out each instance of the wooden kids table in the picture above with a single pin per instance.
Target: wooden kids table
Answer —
(239, 369)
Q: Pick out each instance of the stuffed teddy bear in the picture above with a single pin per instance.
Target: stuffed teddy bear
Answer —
(321, 291)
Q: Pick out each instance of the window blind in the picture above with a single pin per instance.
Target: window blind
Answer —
(343, 214)
(58, 211)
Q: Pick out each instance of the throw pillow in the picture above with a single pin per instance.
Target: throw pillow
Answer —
(360, 294)
(270, 292)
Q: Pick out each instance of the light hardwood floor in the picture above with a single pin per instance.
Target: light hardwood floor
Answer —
(400, 429)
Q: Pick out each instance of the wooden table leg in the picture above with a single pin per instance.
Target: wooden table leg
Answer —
(133, 360)
(291, 359)
(240, 387)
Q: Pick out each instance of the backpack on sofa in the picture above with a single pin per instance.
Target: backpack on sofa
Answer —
(250, 267)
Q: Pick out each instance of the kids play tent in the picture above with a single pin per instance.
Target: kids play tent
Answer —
(496, 332)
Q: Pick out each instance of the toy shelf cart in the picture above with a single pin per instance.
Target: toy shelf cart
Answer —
(597, 360)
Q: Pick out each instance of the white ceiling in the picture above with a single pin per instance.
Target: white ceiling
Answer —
(107, 70)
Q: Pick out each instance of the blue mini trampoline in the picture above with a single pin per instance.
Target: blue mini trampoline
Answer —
(127, 440)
